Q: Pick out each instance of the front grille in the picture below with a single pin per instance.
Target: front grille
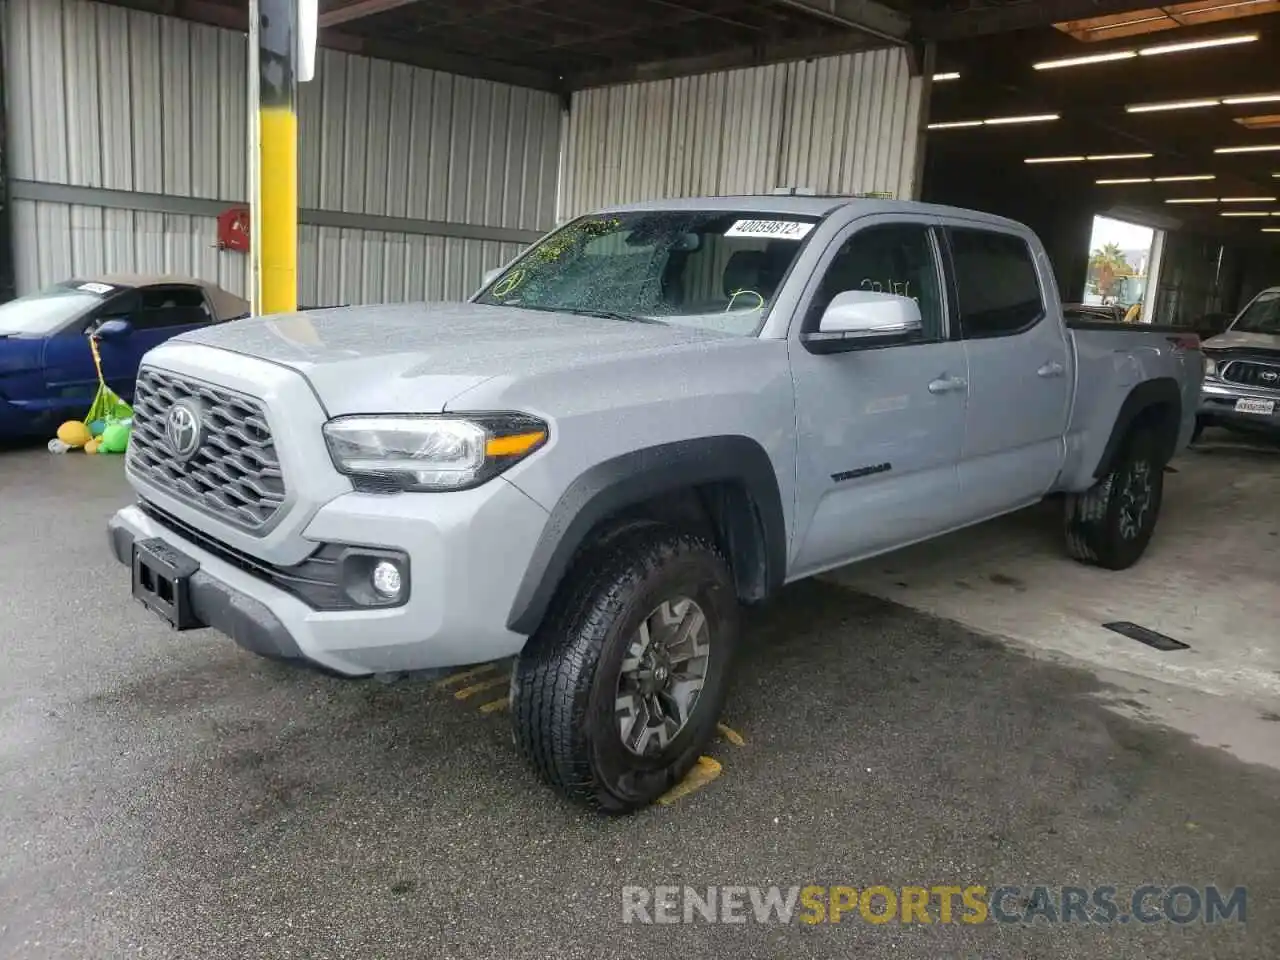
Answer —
(233, 475)
(1250, 374)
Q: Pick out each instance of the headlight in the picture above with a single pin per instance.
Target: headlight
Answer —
(1210, 367)
(390, 453)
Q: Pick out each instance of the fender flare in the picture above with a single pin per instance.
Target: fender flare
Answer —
(1143, 397)
(635, 477)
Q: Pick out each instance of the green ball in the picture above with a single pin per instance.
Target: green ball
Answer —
(115, 438)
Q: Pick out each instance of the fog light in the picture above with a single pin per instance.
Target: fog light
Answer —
(386, 579)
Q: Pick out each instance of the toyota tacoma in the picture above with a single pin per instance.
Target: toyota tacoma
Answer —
(652, 417)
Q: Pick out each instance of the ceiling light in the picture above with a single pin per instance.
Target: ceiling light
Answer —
(953, 75)
(1198, 44)
(1265, 121)
(1252, 98)
(1125, 180)
(1053, 159)
(1246, 199)
(1271, 229)
(1164, 17)
(1029, 118)
(1120, 156)
(1171, 105)
(1193, 200)
(1187, 177)
(1244, 213)
(993, 121)
(1081, 61)
(1257, 148)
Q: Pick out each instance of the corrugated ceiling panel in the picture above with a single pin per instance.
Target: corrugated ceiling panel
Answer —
(176, 108)
(206, 92)
(102, 96)
(853, 123)
(340, 266)
(63, 240)
(388, 139)
(845, 124)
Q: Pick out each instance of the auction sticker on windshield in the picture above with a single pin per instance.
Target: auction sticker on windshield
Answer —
(778, 229)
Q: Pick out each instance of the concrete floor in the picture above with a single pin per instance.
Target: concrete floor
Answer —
(166, 796)
(1210, 579)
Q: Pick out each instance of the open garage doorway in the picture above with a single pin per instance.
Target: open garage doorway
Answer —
(1123, 265)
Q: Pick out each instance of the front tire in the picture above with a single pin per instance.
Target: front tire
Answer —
(1111, 523)
(618, 692)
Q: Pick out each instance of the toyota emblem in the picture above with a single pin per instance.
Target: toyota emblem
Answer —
(184, 429)
(1269, 376)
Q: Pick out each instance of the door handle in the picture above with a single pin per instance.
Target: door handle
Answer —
(947, 384)
(1051, 369)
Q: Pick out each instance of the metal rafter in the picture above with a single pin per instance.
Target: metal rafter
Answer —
(867, 16)
(359, 9)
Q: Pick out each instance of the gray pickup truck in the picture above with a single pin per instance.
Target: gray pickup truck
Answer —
(656, 414)
(1242, 370)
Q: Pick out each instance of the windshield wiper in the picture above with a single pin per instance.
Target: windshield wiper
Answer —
(613, 315)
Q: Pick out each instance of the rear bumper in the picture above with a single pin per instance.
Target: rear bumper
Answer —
(1218, 406)
(467, 553)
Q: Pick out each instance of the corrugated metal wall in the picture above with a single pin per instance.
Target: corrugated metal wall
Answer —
(113, 99)
(846, 124)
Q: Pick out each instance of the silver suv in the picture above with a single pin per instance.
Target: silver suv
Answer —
(653, 415)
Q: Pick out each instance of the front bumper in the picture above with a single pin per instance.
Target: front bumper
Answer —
(1218, 405)
(468, 552)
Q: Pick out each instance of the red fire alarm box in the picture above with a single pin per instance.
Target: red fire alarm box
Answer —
(233, 229)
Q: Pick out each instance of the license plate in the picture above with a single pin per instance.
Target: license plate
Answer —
(161, 582)
(1264, 407)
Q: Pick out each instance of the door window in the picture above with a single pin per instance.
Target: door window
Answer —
(996, 283)
(170, 307)
(896, 258)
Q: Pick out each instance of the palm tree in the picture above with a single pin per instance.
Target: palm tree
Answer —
(1108, 262)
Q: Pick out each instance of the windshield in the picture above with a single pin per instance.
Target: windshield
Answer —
(1261, 316)
(44, 312)
(698, 268)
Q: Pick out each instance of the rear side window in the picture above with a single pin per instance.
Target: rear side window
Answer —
(996, 283)
(170, 307)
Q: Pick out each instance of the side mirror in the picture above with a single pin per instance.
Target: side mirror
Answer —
(859, 318)
(110, 329)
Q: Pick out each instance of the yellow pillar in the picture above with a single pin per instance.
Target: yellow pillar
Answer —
(275, 244)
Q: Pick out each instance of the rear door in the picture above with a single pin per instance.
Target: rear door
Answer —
(879, 428)
(1020, 373)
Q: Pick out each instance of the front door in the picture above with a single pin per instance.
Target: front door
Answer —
(1020, 371)
(154, 314)
(879, 428)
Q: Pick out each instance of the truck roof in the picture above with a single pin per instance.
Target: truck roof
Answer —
(810, 206)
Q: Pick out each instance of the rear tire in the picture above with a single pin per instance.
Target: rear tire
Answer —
(1111, 523)
(589, 707)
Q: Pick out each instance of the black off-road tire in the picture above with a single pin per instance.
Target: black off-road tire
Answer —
(565, 684)
(1095, 533)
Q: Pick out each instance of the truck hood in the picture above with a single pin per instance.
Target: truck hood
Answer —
(415, 357)
(1232, 340)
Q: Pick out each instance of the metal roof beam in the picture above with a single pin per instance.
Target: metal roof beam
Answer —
(358, 10)
(978, 21)
(867, 16)
(723, 60)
